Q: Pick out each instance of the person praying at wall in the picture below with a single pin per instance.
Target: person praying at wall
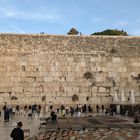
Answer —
(84, 109)
(102, 109)
(62, 110)
(72, 111)
(90, 110)
(0, 115)
(6, 113)
(53, 116)
(97, 108)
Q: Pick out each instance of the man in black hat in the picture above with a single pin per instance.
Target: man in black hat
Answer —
(18, 133)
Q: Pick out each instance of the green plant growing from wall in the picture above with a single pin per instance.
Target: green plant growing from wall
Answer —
(14, 98)
(113, 50)
(75, 98)
(137, 80)
(88, 75)
(113, 83)
(87, 98)
(43, 98)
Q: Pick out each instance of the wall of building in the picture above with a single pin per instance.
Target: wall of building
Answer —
(56, 66)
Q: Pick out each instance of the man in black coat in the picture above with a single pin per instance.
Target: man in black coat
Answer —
(18, 133)
(6, 113)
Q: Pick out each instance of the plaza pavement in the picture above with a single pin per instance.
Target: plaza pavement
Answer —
(96, 128)
(6, 127)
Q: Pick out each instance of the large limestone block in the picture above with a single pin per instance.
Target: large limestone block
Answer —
(69, 69)
(122, 69)
(20, 73)
(68, 89)
(112, 74)
(1, 100)
(99, 79)
(102, 89)
(134, 59)
(31, 74)
(3, 68)
(55, 74)
(137, 64)
(5, 84)
(54, 94)
(116, 59)
(99, 69)
(93, 68)
(10, 74)
(76, 89)
(59, 94)
(28, 95)
(22, 63)
(20, 96)
(40, 79)
(95, 89)
(36, 63)
(10, 68)
(17, 89)
(70, 59)
(70, 94)
(113, 69)
(41, 73)
(69, 79)
(4, 94)
(98, 59)
(8, 58)
(109, 59)
(82, 64)
(5, 78)
(77, 69)
(6, 99)
(30, 89)
(55, 79)
(30, 79)
(104, 69)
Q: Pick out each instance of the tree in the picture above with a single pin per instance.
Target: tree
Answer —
(112, 32)
(73, 31)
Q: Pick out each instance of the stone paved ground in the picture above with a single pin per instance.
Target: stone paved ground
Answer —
(6, 127)
(100, 134)
(87, 134)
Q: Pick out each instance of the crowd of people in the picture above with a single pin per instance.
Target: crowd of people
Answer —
(10, 111)
(78, 110)
(31, 111)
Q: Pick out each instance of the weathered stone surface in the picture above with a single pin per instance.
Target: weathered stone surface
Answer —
(32, 66)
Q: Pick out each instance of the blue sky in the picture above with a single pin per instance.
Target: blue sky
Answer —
(59, 16)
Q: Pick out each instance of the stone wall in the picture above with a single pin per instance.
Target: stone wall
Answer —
(57, 67)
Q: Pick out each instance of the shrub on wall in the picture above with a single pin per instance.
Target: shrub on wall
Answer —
(14, 98)
(75, 98)
(113, 50)
(87, 98)
(43, 98)
(137, 78)
(88, 75)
